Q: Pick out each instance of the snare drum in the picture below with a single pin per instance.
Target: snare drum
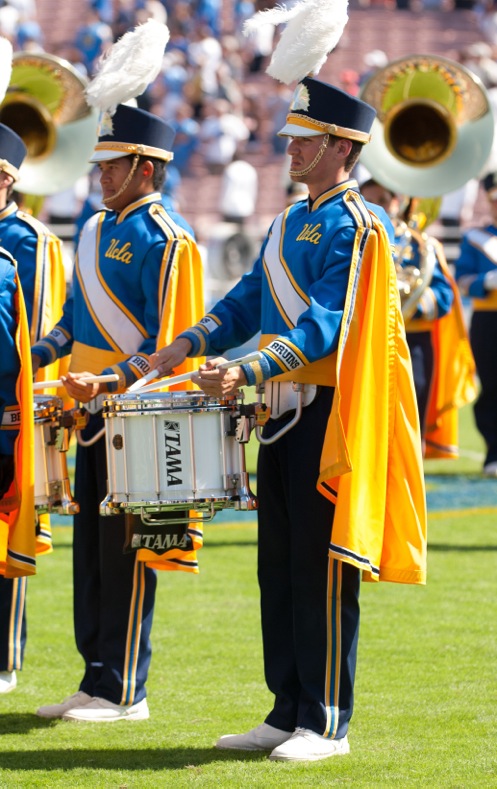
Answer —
(174, 451)
(51, 441)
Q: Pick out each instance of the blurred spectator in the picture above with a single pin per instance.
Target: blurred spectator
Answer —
(259, 47)
(29, 36)
(150, 9)
(349, 81)
(170, 189)
(239, 185)
(92, 39)
(243, 10)
(233, 57)
(209, 13)
(123, 18)
(68, 51)
(228, 87)
(220, 133)
(9, 21)
(477, 57)
(186, 141)
(277, 104)
(374, 61)
(167, 91)
(252, 118)
(25, 8)
(206, 54)
(105, 10)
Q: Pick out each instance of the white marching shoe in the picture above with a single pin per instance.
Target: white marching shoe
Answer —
(58, 710)
(306, 746)
(8, 681)
(262, 738)
(102, 711)
(490, 470)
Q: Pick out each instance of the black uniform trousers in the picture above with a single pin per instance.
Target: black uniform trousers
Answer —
(309, 602)
(113, 593)
(422, 358)
(13, 629)
(483, 337)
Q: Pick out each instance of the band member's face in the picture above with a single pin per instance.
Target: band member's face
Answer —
(375, 193)
(303, 151)
(113, 174)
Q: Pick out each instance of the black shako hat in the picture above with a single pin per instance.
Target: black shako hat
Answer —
(12, 151)
(319, 108)
(133, 131)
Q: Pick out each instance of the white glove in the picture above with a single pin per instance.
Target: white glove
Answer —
(490, 280)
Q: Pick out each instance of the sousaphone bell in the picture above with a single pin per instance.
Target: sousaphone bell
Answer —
(434, 126)
(45, 105)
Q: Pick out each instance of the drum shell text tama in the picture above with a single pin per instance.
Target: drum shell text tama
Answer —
(51, 441)
(171, 451)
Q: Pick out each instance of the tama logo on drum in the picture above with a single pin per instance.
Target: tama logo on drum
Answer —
(161, 542)
(172, 445)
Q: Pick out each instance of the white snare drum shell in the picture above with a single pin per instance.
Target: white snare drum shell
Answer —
(169, 450)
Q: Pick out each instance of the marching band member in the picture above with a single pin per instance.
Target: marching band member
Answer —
(17, 513)
(138, 279)
(443, 367)
(38, 254)
(341, 492)
(476, 276)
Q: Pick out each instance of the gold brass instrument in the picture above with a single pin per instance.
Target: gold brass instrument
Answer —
(434, 126)
(415, 258)
(45, 105)
(432, 134)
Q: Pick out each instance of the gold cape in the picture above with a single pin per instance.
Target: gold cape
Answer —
(371, 464)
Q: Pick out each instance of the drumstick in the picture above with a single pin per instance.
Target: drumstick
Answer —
(90, 379)
(177, 379)
(146, 378)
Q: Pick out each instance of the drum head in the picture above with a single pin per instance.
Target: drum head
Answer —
(166, 401)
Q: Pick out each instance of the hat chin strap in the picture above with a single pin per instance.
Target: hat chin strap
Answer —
(126, 181)
(316, 159)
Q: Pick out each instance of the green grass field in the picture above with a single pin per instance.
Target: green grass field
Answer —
(426, 694)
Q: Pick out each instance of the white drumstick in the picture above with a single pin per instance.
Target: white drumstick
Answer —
(177, 379)
(90, 379)
(140, 382)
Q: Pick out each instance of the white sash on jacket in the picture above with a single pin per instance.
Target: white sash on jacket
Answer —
(290, 300)
(107, 311)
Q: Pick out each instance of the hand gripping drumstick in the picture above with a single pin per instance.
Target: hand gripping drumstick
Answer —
(90, 379)
(140, 383)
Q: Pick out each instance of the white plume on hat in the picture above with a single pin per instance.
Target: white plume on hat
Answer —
(5, 66)
(314, 28)
(129, 66)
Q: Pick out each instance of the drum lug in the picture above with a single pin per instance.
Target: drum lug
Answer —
(60, 435)
(243, 430)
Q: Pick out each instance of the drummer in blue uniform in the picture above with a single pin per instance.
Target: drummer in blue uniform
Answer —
(476, 276)
(38, 255)
(17, 513)
(137, 273)
(325, 258)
